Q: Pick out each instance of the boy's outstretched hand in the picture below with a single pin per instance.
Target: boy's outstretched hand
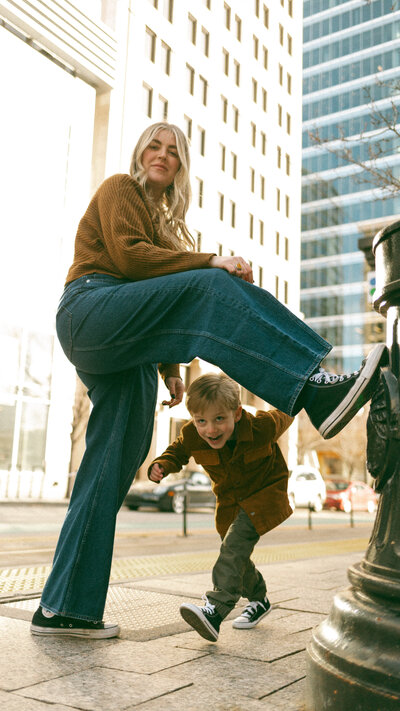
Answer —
(156, 473)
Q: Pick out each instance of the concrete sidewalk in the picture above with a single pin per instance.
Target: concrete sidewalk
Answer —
(160, 663)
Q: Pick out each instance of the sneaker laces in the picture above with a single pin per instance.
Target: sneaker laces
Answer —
(328, 378)
(208, 606)
(251, 607)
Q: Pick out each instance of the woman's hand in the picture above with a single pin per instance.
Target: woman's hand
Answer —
(176, 389)
(234, 265)
(156, 473)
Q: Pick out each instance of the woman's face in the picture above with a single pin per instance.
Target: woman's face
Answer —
(161, 162)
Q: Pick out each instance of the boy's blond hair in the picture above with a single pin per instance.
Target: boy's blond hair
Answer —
(210, 389)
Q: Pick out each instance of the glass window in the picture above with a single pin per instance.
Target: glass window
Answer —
(38, 365)
(206, 41)
(190, 78)
(234, 165)
(147, 100)
(204, 90)
(223, 155)
(227, 12)
(225, 61)
(10, 359)
(192, 29)
(7, 421)
(166, 57)
(169, 10)
(238, 23)
(150, 47)
(32, 442)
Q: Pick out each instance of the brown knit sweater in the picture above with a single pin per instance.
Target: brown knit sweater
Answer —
(116, 236)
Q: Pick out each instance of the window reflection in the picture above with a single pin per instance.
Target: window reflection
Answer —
(38, 365)
(7, 421)
(32, 442)
(25, 381)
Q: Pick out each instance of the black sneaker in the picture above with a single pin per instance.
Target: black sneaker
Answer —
(252, 614)
(331, 401)
(205, 620)
(43, 624)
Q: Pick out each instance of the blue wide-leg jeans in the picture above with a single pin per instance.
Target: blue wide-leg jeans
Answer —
(115, 332)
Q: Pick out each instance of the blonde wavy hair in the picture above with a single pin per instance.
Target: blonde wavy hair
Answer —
(170, 211)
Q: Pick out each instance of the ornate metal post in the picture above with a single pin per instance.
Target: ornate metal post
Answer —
(354, 656)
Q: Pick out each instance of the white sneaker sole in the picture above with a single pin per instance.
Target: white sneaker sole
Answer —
(77, 632)
(242, 623)
(348, 407)
(195, 618)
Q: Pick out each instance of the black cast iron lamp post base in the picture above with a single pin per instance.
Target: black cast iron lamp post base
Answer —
(354, 655)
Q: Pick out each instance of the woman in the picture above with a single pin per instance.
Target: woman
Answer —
(136, 296)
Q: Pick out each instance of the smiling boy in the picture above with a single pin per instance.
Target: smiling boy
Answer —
(239, 452)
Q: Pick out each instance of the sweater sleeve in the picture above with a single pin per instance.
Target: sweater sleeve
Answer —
(128, 234)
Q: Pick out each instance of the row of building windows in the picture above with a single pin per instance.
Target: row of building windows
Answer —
(237, 23)
(312, 7)
(368, 210)
(363, 123)
(201, 134)
(168, 11)
(351, 71)
(343, 100)
(202, 83)
(193, 35)
(350, 45)
(334, 244)
(167, 7)
(345, 185)
(332, 275)
(314, 306)
(289, 6)
(352, 334)
(371, 147)
(150, 51)
(281, 285)
(350, 18)
(255, 231)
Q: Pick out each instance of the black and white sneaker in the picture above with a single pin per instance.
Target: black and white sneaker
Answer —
(205, 620)
(252, 614)
(45, 623)
(331, 401)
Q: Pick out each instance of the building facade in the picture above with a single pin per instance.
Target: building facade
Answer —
(351, 94)
(90, 77)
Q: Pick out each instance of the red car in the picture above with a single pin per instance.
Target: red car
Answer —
(344, 496)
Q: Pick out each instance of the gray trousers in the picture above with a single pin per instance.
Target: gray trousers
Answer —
(234, 575)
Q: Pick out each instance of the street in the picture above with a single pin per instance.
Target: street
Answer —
(29, 532)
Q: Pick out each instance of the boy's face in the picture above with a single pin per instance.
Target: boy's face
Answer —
(215, 424)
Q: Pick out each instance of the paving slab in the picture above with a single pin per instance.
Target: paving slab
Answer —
(145, 657)
(12, 702)
(27, 659)
(101, 689)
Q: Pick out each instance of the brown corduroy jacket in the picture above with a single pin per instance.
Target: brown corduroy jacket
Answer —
(253, 476)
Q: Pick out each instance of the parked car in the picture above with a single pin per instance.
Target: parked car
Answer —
(169, 494)
(346, 496)
(306, 487)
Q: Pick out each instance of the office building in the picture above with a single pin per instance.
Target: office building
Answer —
(351, 66)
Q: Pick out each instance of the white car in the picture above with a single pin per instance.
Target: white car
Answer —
(306, 487)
